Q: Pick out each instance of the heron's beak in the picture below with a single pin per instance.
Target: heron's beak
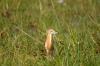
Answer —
(55, 33)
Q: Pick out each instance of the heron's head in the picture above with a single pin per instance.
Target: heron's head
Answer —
(51, 31)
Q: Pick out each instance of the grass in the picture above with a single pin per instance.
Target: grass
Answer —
(23, 25)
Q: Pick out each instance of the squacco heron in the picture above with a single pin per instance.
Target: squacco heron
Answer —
(48, 42)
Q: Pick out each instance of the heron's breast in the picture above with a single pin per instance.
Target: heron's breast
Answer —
(48, 44)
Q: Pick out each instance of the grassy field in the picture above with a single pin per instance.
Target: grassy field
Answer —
(23, 25)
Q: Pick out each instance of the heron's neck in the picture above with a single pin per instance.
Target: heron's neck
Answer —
(49, 37)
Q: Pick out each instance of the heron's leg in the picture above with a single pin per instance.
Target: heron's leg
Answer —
(50, 55)
(47, 52)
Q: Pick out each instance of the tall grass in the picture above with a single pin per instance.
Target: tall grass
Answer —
(23, 25)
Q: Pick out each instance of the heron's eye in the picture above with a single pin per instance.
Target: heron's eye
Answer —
(51, 31)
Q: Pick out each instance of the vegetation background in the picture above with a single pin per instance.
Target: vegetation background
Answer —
(23, 25)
